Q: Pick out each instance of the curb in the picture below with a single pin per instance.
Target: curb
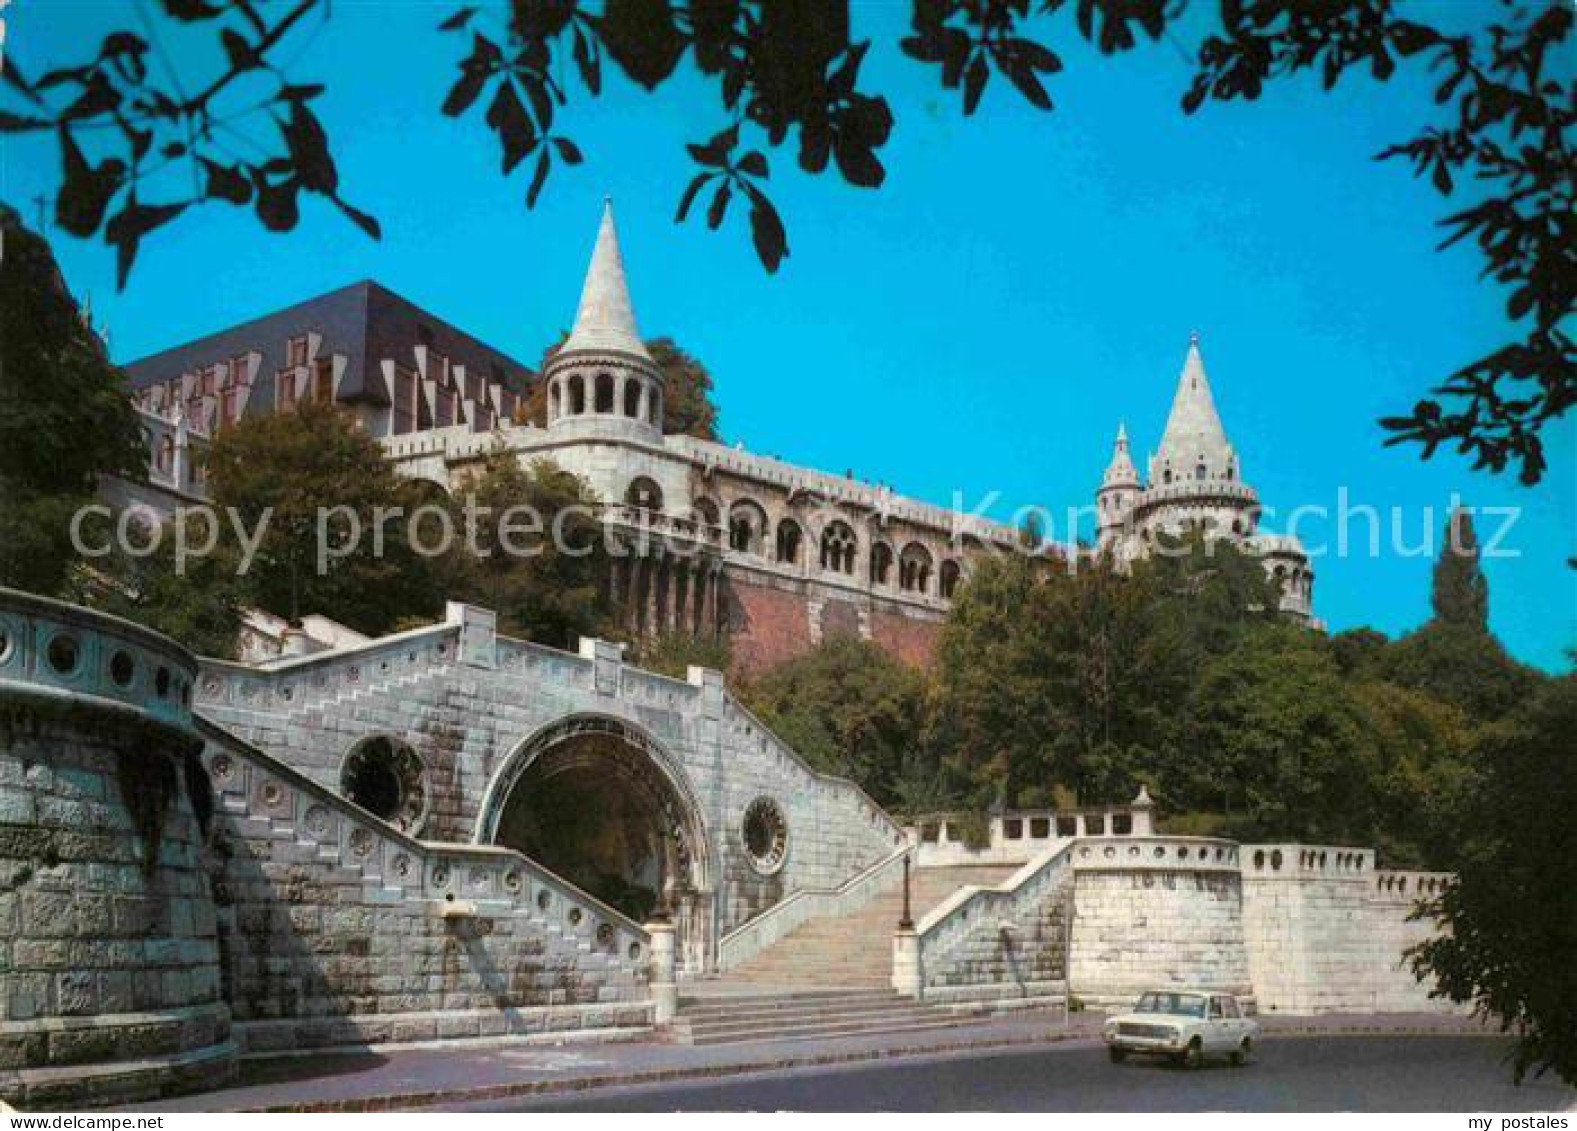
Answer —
(483, 1093)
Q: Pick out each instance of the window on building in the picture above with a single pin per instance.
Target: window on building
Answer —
(296, 351)
(914, 569)
(1067, 826)
(881, 563)
(644, 494)
(1122, 824)
(604, 392)
(950, 577)
(404, 408)
(323, 381)
(789, 538)
(287, 390)
(837, 548)
(1200, 473)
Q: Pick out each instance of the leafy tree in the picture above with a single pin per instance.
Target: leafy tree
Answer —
(318, 477)
(1509, 916)
(790, 73)
(65, 419)
(1359, 652)
(673, 653)
(1465, 667)
(544, 569)
(1460, 594)
(199, 603)
(848, 707)
(688, 407)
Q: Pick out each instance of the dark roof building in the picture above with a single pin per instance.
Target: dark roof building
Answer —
(400, 368)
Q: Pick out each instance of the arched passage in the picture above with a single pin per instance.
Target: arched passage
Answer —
(598, 801)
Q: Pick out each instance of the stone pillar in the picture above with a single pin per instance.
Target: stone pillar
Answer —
(646, 392)
(632, 602)
(698, 602)
(907, 978)
(664, 983)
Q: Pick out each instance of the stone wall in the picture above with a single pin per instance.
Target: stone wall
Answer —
(109, 966)
(1153, 912)
(467, 702)
(1326, 932)
(336, 929)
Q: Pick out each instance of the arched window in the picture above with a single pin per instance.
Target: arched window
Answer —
(837, 547)
(881, 563)
(654, 409)
(914, 569)
(747, 525)
(1199, 472)
(556, 399)
(1166, 476)
(604, 392)
(706, 511)
(644, 494)
(577, 394)
(950, 576)
(632, 398)
(789, 538)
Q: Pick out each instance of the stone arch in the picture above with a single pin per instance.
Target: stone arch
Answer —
(789, 539)
(747, 526)
(914, 569)
(577, 394)
(648, 849)
(838, 545)
(881, 563)
(643, 493)
(950, 575)
(706, 510)
(632, 398)
(555, 399)
(604, 393)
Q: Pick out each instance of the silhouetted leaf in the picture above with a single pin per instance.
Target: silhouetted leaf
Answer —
(309, 150)
(538, 179)
(719, 207)
(458, 20)
(569, 152)
(642, 38)
(586, 62)
(753, 163)
(241, 54)
(508, 117)
(188, 11)
(85, 190)
(226, 183)
(475, 70)
(16, 123)
(766, 232)
(695, 185)
(277, 207)
(975, 82)
(127, 227)
(858, 164)
(363, 221)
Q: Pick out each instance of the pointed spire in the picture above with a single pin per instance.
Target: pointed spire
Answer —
(605, 319)
(1121, 471)
(1194, 434)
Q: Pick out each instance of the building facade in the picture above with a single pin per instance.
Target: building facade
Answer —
(714, 538)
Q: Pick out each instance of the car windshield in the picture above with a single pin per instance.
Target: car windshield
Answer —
(1184, 1005)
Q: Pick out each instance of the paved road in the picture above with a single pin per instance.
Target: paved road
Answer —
(1289, 1074)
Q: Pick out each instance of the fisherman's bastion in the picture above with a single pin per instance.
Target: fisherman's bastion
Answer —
(346, 841)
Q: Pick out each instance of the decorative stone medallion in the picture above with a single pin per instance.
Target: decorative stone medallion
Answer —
(765, 832)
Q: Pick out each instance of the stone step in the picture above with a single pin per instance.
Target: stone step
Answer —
(834, 1028)
(776, 1005)
(893, 1008)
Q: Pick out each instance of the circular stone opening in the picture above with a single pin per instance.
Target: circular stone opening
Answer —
(63, 654)
(388, 779)
(122, 669)
(766, 835)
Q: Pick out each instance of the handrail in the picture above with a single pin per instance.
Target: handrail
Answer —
(425, 849)
(796, 909)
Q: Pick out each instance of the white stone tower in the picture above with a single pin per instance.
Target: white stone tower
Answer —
(602, 381)
(1114, 501)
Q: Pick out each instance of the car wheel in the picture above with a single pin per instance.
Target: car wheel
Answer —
(1118, 1055)
(1194, 1055)
(1241, 1054)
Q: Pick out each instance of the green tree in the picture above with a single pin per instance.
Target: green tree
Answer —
(1460, 594)
(850, 709)
(1462, 666)
(1509, 915)
(544, 568)
(198, 603)
(688, 407)
(65, 418)
(673, 653)
(320, 480)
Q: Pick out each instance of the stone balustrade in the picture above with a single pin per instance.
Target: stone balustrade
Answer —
(1019, 835)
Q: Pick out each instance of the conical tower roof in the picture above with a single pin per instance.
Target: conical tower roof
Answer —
(605, 319)
(1121, 471)
(1194, 435)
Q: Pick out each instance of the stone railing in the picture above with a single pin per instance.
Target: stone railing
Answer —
(53, 650)
(285, 685)
(1407, 887)
(1018, 836)
(1158, 853)
(1268, 861)
(660, 524)
(787, 915)
(459, 879)
(992, 943)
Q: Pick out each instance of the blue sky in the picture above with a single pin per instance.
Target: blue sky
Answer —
(979, 324)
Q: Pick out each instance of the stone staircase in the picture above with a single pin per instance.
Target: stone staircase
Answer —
(803, 1015)
(855, 951)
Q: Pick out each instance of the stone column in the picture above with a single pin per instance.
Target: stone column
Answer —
(906, 963)
(664, 975)
(632, 605)
(646, 392)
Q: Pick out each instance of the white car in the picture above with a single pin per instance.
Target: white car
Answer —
(1185, 1025)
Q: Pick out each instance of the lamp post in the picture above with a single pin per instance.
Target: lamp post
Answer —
(906, 922)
